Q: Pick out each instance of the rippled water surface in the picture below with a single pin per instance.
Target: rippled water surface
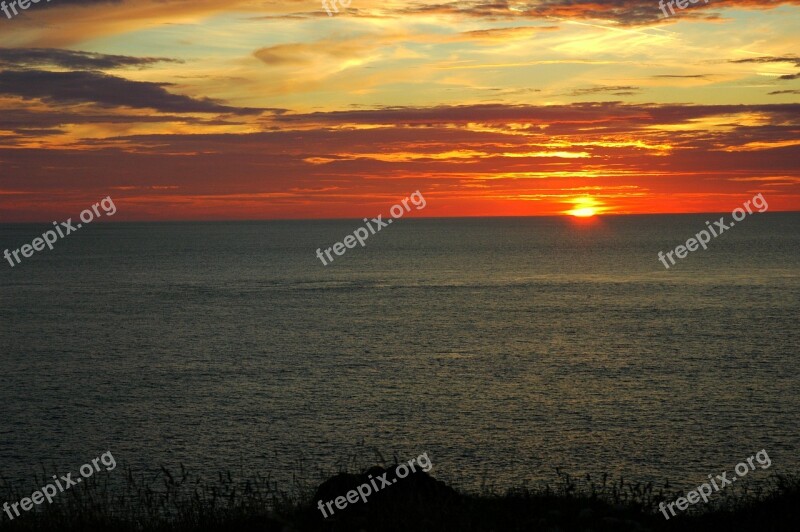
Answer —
(502, 347)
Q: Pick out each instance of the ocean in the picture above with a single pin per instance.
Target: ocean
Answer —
(504, 348)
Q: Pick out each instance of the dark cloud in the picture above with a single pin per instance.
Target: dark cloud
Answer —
(107, 91)
(22, 121)
(616, 90)
(626, 12)
(30, 132)
(774, 59)
(771, 59)
(74, 60)
(612, 117)
(790, 91)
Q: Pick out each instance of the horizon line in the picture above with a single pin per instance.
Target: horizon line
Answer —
(568, 216)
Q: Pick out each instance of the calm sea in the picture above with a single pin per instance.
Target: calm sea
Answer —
(502, 347)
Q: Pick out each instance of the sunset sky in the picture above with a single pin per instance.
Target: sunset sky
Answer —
(201, 110)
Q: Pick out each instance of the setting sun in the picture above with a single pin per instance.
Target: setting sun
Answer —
(585, 207)
(583, 212)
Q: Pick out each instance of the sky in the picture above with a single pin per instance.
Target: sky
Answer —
(243, 110)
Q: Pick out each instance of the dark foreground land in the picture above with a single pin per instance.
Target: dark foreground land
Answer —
(416, 503)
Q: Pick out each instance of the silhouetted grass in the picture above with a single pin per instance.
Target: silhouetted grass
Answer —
(178, 501)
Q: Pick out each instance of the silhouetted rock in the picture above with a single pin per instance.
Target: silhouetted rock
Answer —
(415, 489)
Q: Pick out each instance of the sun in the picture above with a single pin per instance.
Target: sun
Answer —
(585, 207)
(583, 212)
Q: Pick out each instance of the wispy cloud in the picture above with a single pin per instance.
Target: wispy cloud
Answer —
(617, 90)
(74, 60)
